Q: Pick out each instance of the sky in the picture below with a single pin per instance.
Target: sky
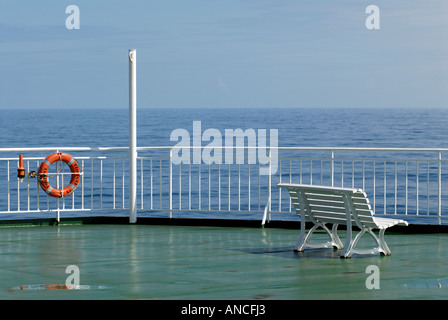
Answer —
(225, 54)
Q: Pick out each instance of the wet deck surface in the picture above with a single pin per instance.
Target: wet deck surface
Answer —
(185, 262)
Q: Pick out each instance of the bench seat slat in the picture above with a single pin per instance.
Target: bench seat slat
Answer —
(331, 197)
(339, 205)
(384, 223)
(327, 208)
(340, 221)
(325, 217)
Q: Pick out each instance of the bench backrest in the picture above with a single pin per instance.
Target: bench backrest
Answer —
(330, 204)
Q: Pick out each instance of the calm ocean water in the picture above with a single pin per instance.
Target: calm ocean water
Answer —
(297, 127)
(416, 128)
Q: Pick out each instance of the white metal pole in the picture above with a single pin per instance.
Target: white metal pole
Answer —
(132, 136)
(170, 183)
(58, 218)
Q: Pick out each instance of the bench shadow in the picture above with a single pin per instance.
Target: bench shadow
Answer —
(288, 252)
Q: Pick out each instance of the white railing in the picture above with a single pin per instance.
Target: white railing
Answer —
(399, 182)
(403, 182)
(26, 197)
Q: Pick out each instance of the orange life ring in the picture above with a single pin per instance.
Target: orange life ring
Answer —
(43, 177)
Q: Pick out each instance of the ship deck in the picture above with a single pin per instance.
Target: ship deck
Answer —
(187, 262)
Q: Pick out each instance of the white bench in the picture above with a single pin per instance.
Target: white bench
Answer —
(333, 205)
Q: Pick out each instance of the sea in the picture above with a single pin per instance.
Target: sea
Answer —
(301, 127)
(297, 127)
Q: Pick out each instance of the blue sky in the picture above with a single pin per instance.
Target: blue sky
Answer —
(225, 53)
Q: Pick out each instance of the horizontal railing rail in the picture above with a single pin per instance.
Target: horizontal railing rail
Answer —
(399, 181)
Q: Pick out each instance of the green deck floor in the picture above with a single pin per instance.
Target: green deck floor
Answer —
(186, 262)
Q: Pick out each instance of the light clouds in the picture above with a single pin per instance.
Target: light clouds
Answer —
(273, 53)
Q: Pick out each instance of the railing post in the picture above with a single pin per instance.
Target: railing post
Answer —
(270, 184)
(439, 194)
(58, 213)
(267, 208)
(170, 184)
(332, 168)
(132, 136)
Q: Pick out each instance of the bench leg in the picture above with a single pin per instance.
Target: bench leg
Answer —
(383, 243)
(304, 243)
(303, 239)
(335, 237)
(380, 248)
